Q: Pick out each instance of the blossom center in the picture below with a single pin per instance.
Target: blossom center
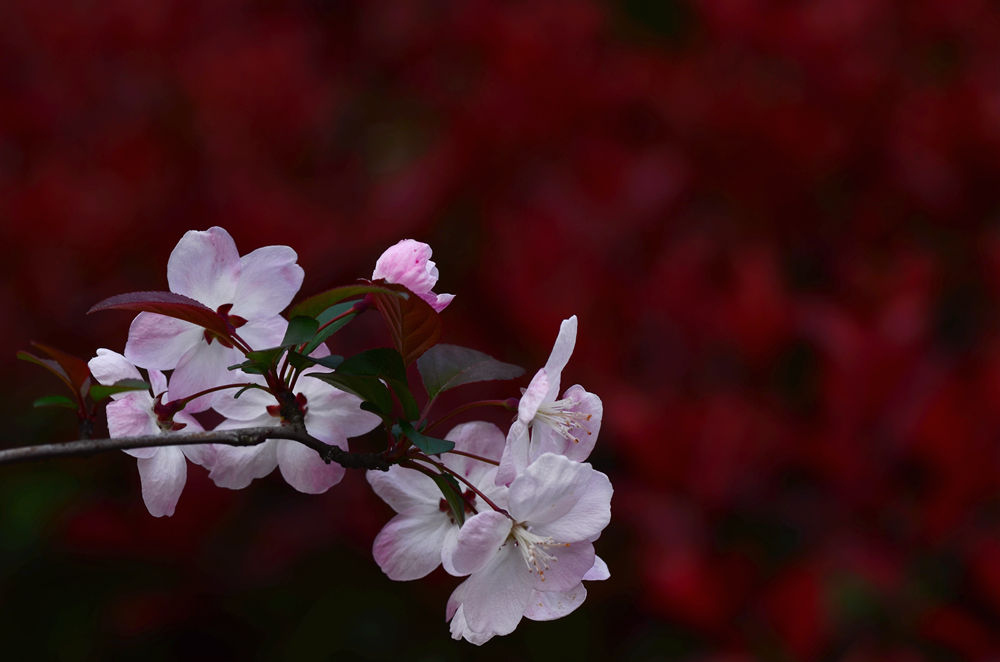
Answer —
(561, 417)
(533, 549)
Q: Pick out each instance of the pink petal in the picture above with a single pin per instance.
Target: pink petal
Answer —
(205, 266)
(550, 605)
(252, 403)
(264, 332)
(109, 367)
(163, 476)
(305, 470)
(268, 280)
(534, 396)
(132, 415)
(333, 414)
(479, 539)
(236, 467)
(586, 433)
(571, 563)
(478, 438)
(448, 551)
(159, 342)
(561, 351)
(408, 263)
(157, 382)
(590, 513)
(497, 595)
(459, 629)
(203, 367)
(409, 546)
(404, 489)
(515, 454)
(599, 572)
(548, 489)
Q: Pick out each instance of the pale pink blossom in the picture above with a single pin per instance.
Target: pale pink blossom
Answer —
(163, 469)
(331, 416)
(252, 290)
(557, 508)
(414, 542)
(546, 424)
(409, 263)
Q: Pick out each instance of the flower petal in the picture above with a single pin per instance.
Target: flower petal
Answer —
(409, 546)
(305, 470)
(205, 266)
(476, 437)
(515, 454)
(109, 367)
(459, 629)
(599, 572)
(561, 351)
(203, 367)
(571, 562)
(590, 513)
(131, 415)
(478, 541)
(408, 263)
(548, 489)
(497, 596)
(236, 467)
(534, 396)
(159, 342)
(550, 605)
(404, 489)
(163, 476)
(269, 278)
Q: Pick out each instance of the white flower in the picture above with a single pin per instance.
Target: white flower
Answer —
(331, 416)
(251, 290)
(413, 543)
(557, 508)
(163, 469)
(409, 263)
(568, 426)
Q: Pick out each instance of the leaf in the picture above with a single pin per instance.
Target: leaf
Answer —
(325, 317)
(260, 361)
(317, 303)
(99, 392)
(386, 364)
(451, 491)
(300, 330)
(369, 389)
(170, 304)
(301, 361)
(429, 445)
(413, 324)
(55, 401)
(76, 368)
(444, 367)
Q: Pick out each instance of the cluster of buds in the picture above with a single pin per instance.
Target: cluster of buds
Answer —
(516, 514)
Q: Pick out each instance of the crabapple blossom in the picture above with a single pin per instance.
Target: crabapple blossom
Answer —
(330, 416)
(557, 508)
(162, 470)
(413, 543)
(545, 424)
(250, 291)
(409, 263)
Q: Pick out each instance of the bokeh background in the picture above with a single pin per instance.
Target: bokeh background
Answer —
(777, 220)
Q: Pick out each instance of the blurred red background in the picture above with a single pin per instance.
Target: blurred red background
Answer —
(778, 222)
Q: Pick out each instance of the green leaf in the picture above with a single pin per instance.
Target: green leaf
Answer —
(444, 367)
(316, 304)
(429, 445)
(99, 392)
(387, 364)
(260, 361)
(300, 330)
(367, 388)
(452, 492)
(301, 361)
(55, 401)
(413, 325)
(325, 317)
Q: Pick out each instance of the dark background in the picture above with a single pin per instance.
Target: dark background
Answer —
(778, 222)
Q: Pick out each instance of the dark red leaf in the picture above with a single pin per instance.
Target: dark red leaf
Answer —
(169, 304)
(76, 369)
(317, 303)
(414, 326)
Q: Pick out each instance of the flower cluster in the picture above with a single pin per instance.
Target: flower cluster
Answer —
(515, 514)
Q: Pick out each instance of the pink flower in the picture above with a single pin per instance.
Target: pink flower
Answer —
(566, 426)
(557, 508)
(413, 543)
(162, 470)
(252, 290)
(409, 263)
(331, 416)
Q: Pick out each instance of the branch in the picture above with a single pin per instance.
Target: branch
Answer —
(237, 437)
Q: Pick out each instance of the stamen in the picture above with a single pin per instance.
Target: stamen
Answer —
(559, 416)
(532, 547)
